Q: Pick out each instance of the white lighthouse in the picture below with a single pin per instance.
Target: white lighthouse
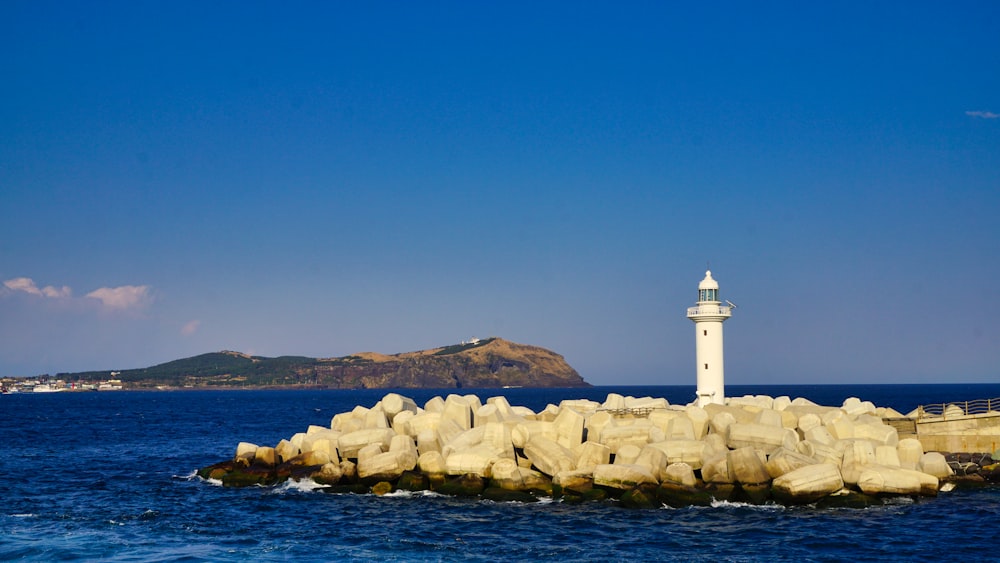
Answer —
(708, 315)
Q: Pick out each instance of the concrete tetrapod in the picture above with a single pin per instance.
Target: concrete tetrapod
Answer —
(680, 473)
(592, 454)
(623, 477)
(760, 436)
(476, 460)
(352, 442)
(548, 456)
(785, 461)
(807, 484)
(394, 404)
(878, 479)
(691, 452)
(910, 450)
(507, 475)
(245, 452)
(720, 453)
(386, 466)
(935, 464)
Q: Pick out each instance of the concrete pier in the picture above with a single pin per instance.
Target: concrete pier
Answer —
(644, 451)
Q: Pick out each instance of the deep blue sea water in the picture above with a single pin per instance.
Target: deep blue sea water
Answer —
(109, 477)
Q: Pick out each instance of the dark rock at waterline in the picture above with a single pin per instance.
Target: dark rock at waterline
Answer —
(677, 495)
(754, 494)
(593, 495)
(468, 485)
(413, 481)
(849, 499)
(990, 473)
(721, 491)
(971, 468)
(350, 488)
(382, 488)
(976, 458)
(964, 469)
(216, 470)
(643, 496)
(499, 494)
(244, 477)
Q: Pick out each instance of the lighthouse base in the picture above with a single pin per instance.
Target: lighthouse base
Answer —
(710, 397)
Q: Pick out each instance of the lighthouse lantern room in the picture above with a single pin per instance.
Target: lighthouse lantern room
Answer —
(708, 315)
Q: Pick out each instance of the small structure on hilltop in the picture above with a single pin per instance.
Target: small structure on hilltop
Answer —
(708, 315)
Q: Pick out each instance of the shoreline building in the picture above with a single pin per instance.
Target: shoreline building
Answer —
(708, 315)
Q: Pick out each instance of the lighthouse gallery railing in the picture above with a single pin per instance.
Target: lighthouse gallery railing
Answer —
(710, 310)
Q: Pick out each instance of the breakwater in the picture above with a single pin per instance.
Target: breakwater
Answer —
(640, 450)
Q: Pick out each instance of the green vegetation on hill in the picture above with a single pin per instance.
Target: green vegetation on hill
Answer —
(456, 348)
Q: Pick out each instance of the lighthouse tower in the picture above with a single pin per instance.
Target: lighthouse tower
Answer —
(708, 315)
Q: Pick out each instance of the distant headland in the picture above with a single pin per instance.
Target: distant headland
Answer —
(487, 363)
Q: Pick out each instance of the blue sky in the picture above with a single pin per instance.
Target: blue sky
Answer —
(321, 179)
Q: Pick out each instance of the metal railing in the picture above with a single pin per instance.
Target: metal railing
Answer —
(720, 310)
(959, 408)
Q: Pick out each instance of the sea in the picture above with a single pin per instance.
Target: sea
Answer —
(110, 476)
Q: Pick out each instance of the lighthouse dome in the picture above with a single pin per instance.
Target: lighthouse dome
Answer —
(708, 282)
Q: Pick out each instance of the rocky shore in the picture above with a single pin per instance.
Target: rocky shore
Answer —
(642, 451)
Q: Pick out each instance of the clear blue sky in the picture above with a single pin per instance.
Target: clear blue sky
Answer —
(321, 179)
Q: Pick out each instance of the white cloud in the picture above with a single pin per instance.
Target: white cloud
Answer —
(983, 114)
(122, 297)
(191, 327)
(27, 285)
(54, 292)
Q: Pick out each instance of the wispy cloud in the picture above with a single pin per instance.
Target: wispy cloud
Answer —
(122, 297)
(983, 114)
(28, 285)
(190, 328)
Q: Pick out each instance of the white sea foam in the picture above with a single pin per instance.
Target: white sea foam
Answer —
(302, 486)
(729, 504)
(399, 494)
(411, 494)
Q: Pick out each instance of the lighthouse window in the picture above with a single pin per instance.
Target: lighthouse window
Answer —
(705, 332)
(706, 366)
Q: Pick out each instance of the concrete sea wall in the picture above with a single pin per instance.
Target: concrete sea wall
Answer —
(640, 450)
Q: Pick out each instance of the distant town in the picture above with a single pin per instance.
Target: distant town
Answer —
(47, 384)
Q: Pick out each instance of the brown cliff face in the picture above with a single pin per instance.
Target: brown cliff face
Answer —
(491, 363)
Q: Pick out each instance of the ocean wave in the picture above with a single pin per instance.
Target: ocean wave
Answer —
(770, 507)
(301, 486)
(413, 494)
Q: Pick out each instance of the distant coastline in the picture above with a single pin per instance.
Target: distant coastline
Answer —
(487, 363)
